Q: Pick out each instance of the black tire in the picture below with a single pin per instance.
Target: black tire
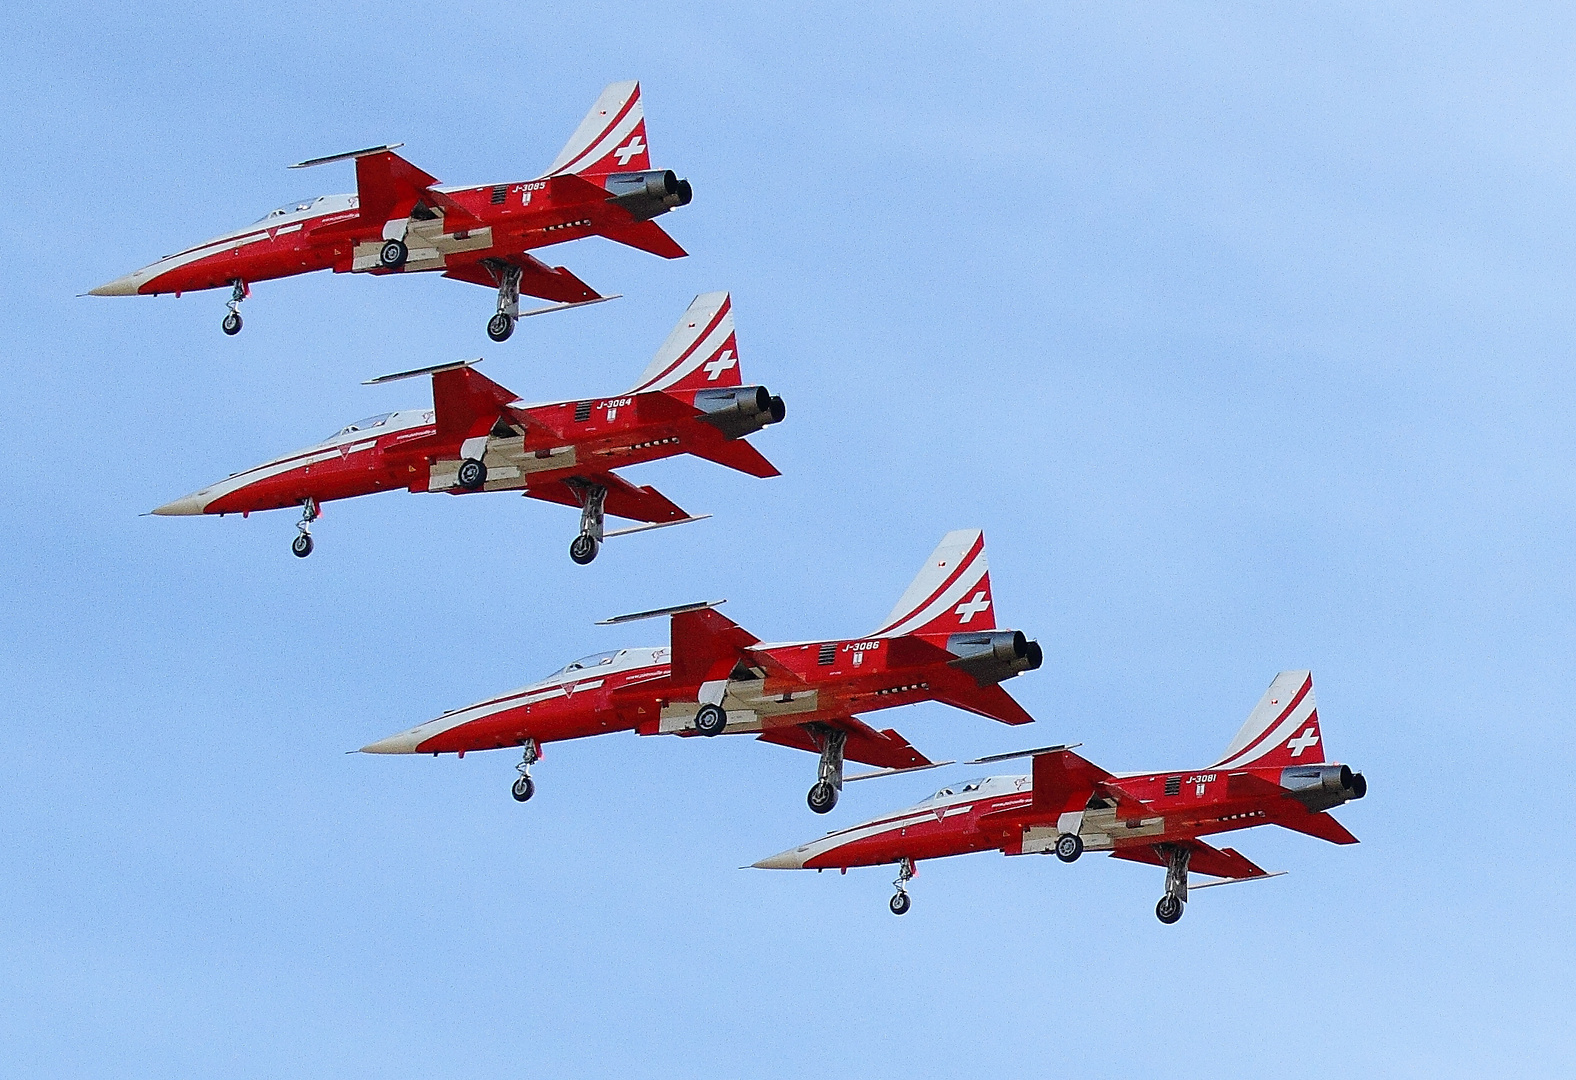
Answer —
(822, 797)
(583, 548)
(522, 789)
(1169, 910)
(1069, 846)
(472, 474)
(500, 326)
(301, 546)
(710, 720)
(232, 323)
(900, 903)
(392, 255)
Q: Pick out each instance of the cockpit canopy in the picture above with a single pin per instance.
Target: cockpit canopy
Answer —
(368, 424)
(300, 206)
(595, 660)
(965, 788)
(323, 204)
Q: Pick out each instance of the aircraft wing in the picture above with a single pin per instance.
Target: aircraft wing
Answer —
(538, 279)
(1215, 862)
(1063, 781)
(883, 749)
(624, 499)
(388, 188)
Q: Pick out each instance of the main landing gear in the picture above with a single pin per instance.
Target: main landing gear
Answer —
(829, 776)
(1069, 846)
(1169, 909)
(392, 255)
(585, 546)
(524, 787)
(232, 321)
(301, 546)
(501, 325)
(472, 475)
(899, 904)
(711, 720)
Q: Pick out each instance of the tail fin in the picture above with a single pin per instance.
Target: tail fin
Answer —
(700, 352)
(950, 593)
(612, 137)
(1283, 728)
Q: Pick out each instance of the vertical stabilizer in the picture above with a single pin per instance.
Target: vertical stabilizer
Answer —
(950, 594)
(611, 138)
(700, 352)
(1283, 728)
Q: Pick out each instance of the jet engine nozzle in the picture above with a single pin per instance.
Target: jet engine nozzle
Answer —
(1320, 787)
(647, 194)
(994, 655)
(737, 411)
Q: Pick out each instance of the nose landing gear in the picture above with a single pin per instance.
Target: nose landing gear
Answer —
(232, 321)
(900, 902)
(301, 546)
(524, 787)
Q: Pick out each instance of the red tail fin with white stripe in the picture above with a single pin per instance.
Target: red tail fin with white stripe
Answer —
(951, 593)
(1283, 728)
(700, 352)
(611, 138)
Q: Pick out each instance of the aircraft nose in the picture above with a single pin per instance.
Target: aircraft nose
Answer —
(403, 743)
(184, 506)
(125, 285)
(784, 860)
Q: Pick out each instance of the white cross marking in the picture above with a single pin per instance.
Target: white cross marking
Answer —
(967, 611)
(629, 150)
(1307, 739)
(719, 365)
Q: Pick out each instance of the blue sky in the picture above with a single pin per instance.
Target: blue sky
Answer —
(1244, 333)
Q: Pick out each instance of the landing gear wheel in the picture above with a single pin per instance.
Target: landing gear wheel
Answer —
(1169, 910)
(302, 545)
(523, 789)
(232, 323)
(822, 797)
(710, 720)
(393, 254)
(899, 903)
(500, 326)
(472, 475)
(583, 548)
(1069, 846)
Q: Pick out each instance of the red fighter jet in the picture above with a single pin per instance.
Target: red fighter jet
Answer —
(939, 644)
(478, 437)
(1273, 773)
(401, 220)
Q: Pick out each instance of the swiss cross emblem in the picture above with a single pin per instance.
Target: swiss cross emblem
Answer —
(970, 608)
(629, 149)
(723, 362)
(1306, 741)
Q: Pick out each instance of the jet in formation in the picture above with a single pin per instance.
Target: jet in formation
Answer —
(477, 436)
(940, 643)
(1273, 773)
(402, 220)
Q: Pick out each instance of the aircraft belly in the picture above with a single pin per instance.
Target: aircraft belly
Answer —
(428, 247)
(509, 466)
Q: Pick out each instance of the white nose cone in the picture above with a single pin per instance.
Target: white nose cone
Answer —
(122, 286)
(403, 743)
(185, 506)
(784, 860)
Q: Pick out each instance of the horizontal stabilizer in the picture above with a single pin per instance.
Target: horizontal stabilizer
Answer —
(661, 612)
(734, 453)
(989, 701)
(1321, 825)
(647, 236)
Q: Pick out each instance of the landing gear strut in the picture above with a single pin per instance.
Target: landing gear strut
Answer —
(900, 901)
(585, 546)
(829, 781)
(1169, 909)
(501, 325)
(524, 787)
(232, 322)
(302, 544)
